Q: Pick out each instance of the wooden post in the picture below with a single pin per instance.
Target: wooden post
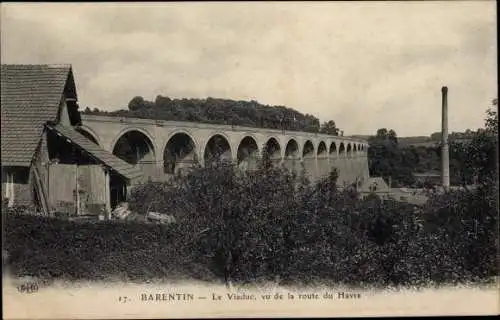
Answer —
(77, 191)
(107, 192)
(47, 185)
(445, 156)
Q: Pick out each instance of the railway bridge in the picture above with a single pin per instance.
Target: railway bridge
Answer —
(161, 148)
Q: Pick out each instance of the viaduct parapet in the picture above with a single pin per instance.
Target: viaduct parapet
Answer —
(161, 148)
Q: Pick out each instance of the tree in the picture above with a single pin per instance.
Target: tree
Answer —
(329, 128)
(387, 159)
(136, 103)
(491, 121)
(436, 136)
(392, 136)
(483, 148)
(381, 133)
(461, 171)
(220, 111)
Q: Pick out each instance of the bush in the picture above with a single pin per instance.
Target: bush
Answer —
(257, 225)
(271, 222)
(49, 247)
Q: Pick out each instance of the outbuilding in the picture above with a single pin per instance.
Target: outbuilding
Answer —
(46, 163)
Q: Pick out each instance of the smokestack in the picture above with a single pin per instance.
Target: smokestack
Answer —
(445, 156)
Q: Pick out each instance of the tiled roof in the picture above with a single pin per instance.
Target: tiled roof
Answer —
(380, 183)
(30, 96)
(110, 160)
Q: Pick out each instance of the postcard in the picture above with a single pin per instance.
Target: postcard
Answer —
(249, 159)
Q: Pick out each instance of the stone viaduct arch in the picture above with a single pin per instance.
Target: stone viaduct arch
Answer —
(180, 152)
(291, 159)
(88, 133)
(248, 153)
(136, 147)
(341, 150)
(274, 149)
(333, 150)
(309, 158)
(217, 148)
(322, 165)
(164, 148)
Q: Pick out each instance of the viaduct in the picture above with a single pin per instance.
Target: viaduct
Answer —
(161, 148)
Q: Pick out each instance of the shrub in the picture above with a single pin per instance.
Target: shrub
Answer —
(255, 225)
(272, 222)
(50, 247)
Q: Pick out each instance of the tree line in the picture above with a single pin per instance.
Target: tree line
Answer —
(470, 159)
(222, 111)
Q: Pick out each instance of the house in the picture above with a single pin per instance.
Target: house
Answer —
(374, 185)
(46, 162)
(427, 178)
(414, 196)
(378, 186)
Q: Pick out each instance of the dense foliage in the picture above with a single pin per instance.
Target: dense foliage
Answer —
(271, 223)
(60, 249)
(221, 111)
(471, 160)
(391, 160)
(387, 159)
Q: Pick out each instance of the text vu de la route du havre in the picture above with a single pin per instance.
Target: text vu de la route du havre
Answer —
(166, 296)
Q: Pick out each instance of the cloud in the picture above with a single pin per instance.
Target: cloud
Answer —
(365, 65)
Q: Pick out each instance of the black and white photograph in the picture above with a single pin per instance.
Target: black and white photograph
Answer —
(249, 159)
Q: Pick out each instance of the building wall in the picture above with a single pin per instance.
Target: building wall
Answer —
(76, 183)
(77, 189)
(41, 160)
(92, 185)
(16, 185)
(23, 184)
(63, 113)
(59, 181)
(23, 194)
(62, 183)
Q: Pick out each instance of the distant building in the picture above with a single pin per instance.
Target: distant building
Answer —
(378, 186)
(374, 185)
(411, 195)
(428, 178)
(46, 162)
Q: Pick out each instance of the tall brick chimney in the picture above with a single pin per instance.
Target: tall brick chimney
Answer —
(445, 155)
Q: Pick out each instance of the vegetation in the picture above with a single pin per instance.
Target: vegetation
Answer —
(470, 160)
(221, 111)
(282, 226)
(269, 223)
(428, 141)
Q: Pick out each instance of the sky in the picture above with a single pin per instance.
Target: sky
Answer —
(365, 65)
